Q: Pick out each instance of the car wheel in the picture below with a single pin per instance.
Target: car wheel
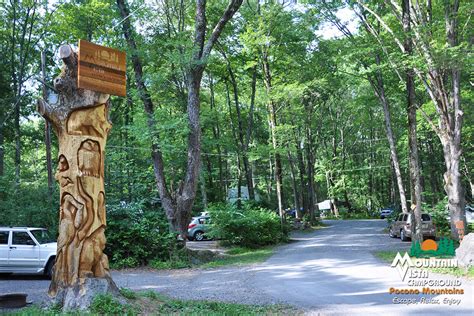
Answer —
(403, 237)
(199, 236)
(391, 234)
(49, 269)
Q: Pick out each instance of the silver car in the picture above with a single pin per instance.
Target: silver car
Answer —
(401, 227)
(26, 250)
(198, 227)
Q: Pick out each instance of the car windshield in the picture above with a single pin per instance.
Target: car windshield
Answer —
(425, 217)
(42, 236)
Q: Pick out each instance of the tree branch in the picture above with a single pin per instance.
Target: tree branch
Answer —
(200, 29)
(231, 9)
(385, 26)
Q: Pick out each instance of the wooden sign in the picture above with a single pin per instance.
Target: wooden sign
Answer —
(101, 69)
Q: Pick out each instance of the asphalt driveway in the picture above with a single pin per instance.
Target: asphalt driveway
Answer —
(333, 271)
(329, 271)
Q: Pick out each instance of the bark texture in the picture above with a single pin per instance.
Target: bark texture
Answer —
(178, 203)
(415, 173)
(379, 89)
(80, 121)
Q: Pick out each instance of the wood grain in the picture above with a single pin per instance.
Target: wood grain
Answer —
(101, 69)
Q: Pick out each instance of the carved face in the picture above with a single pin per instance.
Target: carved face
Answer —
(88, 158)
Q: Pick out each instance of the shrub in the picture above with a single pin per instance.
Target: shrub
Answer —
(135, 237)
(105, 304)
(178, 259)
(393, 217)
(439, 216)
(247, 227)
(127, 293)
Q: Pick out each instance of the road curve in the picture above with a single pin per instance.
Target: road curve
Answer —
(333, 271)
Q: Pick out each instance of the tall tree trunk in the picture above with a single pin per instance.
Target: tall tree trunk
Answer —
(451, 141)
(2, 151)
(216, 132)
(202, 181)
(250, 127)
(17, 130)
(379, 88)
(294, 185)
(237, 147)
(415, 174)
(302, 172)
(312, 199)
(47, 131)
(273, 124)
(242, 140)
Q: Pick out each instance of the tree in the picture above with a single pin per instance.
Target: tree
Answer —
(440, 74)
(377, 82)
(178, 204)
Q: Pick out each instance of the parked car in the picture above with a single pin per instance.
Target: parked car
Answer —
(385, 212)
(469, 214)
(198, 228)
(26, 250)
(401, 227)
(292, 212)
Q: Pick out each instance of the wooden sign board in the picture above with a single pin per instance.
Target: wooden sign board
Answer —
(101, 69)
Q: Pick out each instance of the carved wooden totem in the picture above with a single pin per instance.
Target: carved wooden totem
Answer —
(80, 120)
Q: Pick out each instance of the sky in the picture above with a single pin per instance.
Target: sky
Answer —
(347, 16)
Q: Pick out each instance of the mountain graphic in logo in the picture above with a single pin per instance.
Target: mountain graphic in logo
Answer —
(402, 264)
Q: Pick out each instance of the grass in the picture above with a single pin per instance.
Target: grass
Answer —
(317, 226)
(153, 303)
(234, 256)
(241, 256)
(455, 271)
(388, 256)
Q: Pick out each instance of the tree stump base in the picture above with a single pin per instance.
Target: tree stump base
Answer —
(81, 295)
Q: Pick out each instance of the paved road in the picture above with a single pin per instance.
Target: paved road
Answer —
(333, 271)
(329, 272)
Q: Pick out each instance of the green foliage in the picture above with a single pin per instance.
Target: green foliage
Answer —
(151, 294)
(218, 308)
(415, 250)
(106, 304)
(178, 259)
(458, 272)
(325, 107)
(247, 227)
(32, 209)
(241, 256)
(128, 294)
(384, 255)
(137, 235)
(439, 216)
(393, 217)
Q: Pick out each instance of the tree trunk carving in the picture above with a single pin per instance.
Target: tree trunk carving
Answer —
(80, 121)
